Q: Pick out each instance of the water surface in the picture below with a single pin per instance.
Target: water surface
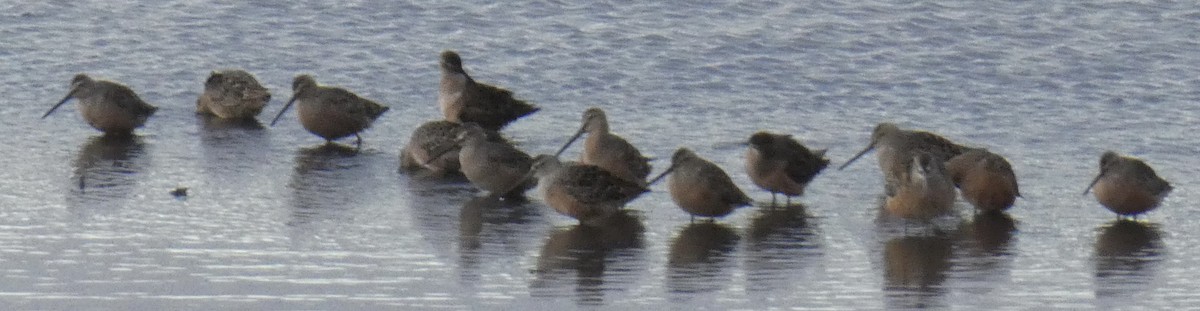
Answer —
(276, 221)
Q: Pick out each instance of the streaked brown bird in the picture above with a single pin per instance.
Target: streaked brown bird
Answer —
(780, 164)
(985, 179)
(232, 94)
(700, 187)
(897, 147)
(436, 138)
(107, 106)
(331, 112)
(585, 192)
(607, 150)
(463, 100)
(1127, 186)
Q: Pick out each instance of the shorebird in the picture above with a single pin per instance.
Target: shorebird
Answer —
(331, 112)
(495, 167)
(985, 179)
(700, 187)
(780, 164)
(607, 150)
(923, 190)
(896, 147)
(232, 94)
(1127, 186)
(585, 192)
(107, 106)
(463, 100)
(436, 138)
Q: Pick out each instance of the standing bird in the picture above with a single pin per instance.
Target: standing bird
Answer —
(923, 190)
(986, 179)
(700, 187)
(107, 106)
(584, 192)
(897, 147)
(232, 94)
(607, 150)
(1127, 186)
(492, 166)
(780, 164)
(463, 100)
(331, 112)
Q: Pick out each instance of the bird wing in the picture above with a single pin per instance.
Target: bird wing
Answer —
(493, 107)
(591, 184)
(802, 164)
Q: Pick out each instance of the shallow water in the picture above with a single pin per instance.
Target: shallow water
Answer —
(275, 221)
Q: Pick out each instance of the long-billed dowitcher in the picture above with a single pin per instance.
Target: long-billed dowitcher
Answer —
(607, 150)
(897, 147)
(107, 106)
(923, 190)
(780, 164)
(436, 138)
(985, 179)
(232, 94)
(700, 187)
(585, 192)
(493, 166)
(1127, 186)
(331, 112)
(463, 100)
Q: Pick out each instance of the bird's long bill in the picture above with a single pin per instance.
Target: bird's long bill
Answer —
(661, 175)
(285, 109)
(1094, 181)
(856, 156)
(438, 154)
(572, 140)
(59, 104)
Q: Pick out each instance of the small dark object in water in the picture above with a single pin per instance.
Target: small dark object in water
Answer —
(180, 192)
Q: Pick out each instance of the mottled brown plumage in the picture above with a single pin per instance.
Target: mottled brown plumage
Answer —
(780, 164)
(232, 94)
(107, 106)
(331, 112)
(896, 147)
(461, 99)
(584, 192)
(607, 150)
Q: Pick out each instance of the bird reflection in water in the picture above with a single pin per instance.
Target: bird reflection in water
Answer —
(106, 170)
(1127, 254)
(780, 241)
(492, 230)
(326, 179)
(613, 247)
(699, 259)
(990, 233)
(234, 151)
(986, 252)
(915, 268)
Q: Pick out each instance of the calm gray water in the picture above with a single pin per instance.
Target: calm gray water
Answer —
(276, 222)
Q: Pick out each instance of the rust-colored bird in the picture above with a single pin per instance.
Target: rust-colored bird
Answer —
(985, 179)
(780, 164)
(1127, 186)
